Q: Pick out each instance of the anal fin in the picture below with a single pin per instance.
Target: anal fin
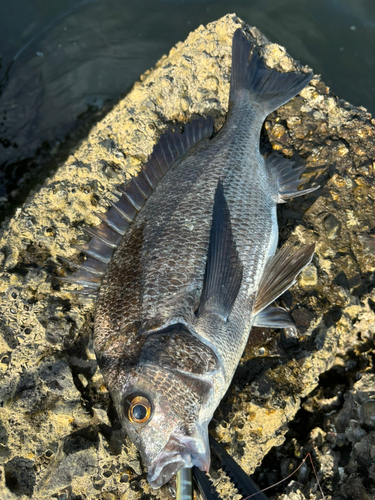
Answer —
(288, 178)
(274, 317)
(280, 273)
(224, 269)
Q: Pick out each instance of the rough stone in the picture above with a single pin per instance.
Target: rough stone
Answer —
(59, 435)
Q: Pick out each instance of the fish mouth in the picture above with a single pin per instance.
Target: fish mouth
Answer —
(180, 451)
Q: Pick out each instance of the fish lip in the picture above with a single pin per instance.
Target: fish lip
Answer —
(170, 461)
(158, 476)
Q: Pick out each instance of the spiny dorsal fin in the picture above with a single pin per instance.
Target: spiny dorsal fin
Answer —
(224, 269)
(287, 178)
(108, 234)
(280, 274)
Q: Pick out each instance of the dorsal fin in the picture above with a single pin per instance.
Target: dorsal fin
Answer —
(107, 236)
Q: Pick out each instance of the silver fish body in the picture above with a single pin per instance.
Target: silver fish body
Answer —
(195, 270)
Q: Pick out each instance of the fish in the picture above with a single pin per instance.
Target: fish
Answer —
(185, 263)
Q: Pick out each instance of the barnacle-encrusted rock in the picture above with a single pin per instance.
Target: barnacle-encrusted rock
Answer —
(59, 434)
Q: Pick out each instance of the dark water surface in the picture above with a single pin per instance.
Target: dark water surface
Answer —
(65, 62)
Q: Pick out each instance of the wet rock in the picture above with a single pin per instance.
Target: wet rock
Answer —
(59, 434)
(302, 318)
(20, 476)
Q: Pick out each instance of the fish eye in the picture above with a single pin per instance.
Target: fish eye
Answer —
(138, 409)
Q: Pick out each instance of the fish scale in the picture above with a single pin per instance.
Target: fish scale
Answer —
(192, 268)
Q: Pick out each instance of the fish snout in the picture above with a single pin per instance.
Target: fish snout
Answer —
(181, 451)
(161, 475)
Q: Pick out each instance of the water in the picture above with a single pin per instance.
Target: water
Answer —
(65, 62)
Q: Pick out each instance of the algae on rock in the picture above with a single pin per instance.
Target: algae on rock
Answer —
(58, 431)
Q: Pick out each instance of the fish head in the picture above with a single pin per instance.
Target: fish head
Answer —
(167, 400)
(165, 415)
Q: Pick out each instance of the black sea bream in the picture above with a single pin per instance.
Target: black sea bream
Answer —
(185, 265)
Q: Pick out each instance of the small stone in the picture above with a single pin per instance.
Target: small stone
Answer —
(332, 227)
(302, 318)
(309, 276)
(101, 415)
(83, 379)
(368, 408)
(108, 496)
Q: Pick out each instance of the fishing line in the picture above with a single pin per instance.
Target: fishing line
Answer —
(290, 475)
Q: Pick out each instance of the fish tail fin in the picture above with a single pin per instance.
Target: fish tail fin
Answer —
(267, 85)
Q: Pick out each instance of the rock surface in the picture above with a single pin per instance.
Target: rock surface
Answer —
(59, 435)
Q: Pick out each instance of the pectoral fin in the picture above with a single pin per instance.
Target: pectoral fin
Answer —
(280, 274)
(274, 317)
(224, 269)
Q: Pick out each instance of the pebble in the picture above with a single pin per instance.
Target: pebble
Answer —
(332, 227)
